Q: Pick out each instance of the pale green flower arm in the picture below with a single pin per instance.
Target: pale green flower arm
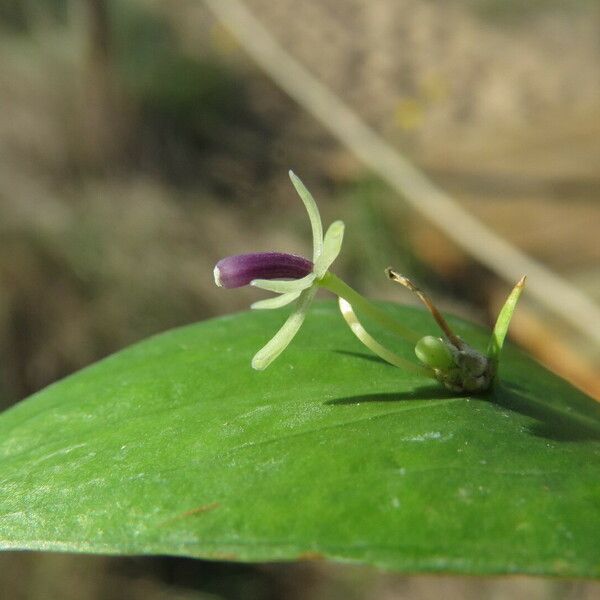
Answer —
(332, 244)
(277, 301)
(282, 287)
(313, 215)
(280, 341)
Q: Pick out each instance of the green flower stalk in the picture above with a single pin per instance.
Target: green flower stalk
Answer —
(297, 279)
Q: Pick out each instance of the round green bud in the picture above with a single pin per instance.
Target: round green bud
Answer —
(434, 352)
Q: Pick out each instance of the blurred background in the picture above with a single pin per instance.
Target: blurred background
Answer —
(139, 143)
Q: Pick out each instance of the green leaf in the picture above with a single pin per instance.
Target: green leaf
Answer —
(176, 446)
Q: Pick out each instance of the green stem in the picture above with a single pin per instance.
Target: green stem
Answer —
(361, 333)
(334, 284)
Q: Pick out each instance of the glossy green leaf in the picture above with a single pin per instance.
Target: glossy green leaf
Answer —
(177, 446)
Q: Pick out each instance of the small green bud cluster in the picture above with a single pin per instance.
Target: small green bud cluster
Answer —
(458, 369)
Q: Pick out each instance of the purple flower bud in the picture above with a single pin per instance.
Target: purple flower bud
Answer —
(237, 271)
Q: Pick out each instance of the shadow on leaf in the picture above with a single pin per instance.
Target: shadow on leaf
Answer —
(551, 423)
(429, 392)
(580, 421)
(364, 356)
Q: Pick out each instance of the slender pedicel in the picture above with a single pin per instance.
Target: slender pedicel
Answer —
(380, 350)
(343, 290)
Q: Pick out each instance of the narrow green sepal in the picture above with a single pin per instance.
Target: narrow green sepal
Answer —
(276, 302)
(284, 287)
(332, 245)
(502, 322)
(280, 341)
(313, 214)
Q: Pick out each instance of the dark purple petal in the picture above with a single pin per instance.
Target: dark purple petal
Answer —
(237, 271)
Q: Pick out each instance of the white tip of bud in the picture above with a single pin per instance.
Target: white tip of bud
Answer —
(217, 274)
